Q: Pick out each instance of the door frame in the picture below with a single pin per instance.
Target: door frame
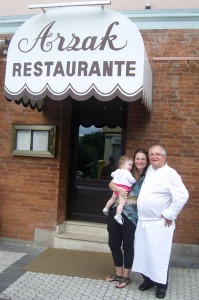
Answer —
(87, 189)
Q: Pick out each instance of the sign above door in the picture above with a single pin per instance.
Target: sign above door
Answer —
(79, 52)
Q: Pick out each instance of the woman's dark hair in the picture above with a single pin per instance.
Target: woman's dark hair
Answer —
(134, 169)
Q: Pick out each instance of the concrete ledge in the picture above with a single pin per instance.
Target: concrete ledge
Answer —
(44, 237)
(185, 249)
(185, 256)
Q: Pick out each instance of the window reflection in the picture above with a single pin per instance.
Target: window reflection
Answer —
(98, 152)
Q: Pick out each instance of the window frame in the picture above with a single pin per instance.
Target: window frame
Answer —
(33, 139)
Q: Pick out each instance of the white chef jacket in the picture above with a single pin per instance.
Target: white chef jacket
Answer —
(162, 193)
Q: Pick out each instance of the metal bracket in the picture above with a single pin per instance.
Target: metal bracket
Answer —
(69, 4)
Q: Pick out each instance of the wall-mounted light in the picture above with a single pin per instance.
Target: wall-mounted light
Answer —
(5, 51)
(68, 4)
(4, 46)
(147, 5)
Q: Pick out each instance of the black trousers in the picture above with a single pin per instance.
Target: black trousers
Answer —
(121, 240)
(159, 285)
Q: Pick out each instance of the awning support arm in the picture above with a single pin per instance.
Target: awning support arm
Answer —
(68, 4)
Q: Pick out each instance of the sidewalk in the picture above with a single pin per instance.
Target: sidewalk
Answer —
(16, 284)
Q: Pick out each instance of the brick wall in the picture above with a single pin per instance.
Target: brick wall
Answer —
(33, 190)
(175, 117)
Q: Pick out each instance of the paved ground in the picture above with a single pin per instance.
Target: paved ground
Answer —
(16, 284)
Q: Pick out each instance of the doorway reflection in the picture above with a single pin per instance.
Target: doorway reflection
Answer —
(98, 151)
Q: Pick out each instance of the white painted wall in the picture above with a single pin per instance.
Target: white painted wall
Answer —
(20, 7)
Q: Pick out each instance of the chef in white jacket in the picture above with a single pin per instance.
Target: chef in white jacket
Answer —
(160, 200)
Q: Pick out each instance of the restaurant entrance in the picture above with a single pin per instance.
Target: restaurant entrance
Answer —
(97, 137)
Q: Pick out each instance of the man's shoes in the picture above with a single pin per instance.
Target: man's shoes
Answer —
(160, 293)
(146, 285)
(119, 219)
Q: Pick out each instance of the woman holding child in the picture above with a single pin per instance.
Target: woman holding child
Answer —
(121, 237)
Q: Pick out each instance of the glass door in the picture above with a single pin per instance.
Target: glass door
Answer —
(98, 142)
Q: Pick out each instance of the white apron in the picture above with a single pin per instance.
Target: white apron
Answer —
(153, 243)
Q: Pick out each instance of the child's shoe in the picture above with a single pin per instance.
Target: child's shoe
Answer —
(106, 211)
(119, 219)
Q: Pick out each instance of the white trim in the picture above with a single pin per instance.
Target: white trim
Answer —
(9, 25)
(164, 19)
(144, 19)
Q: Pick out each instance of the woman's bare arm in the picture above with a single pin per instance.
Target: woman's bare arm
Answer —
(118, 189)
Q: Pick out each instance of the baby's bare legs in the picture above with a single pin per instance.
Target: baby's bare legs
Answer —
(111, 201)
(122, 202)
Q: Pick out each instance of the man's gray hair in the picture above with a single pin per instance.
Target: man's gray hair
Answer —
(163, 149)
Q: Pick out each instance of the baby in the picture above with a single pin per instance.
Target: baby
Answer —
(122, 177)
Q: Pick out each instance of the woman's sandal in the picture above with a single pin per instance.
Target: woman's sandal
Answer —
(124, 282)
(113, 277)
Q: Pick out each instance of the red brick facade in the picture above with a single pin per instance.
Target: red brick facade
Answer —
(33, 190)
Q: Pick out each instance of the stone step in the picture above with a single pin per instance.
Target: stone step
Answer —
(85, 227)
(82, 236)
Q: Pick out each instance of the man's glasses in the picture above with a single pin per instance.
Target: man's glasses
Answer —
(155, 154)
